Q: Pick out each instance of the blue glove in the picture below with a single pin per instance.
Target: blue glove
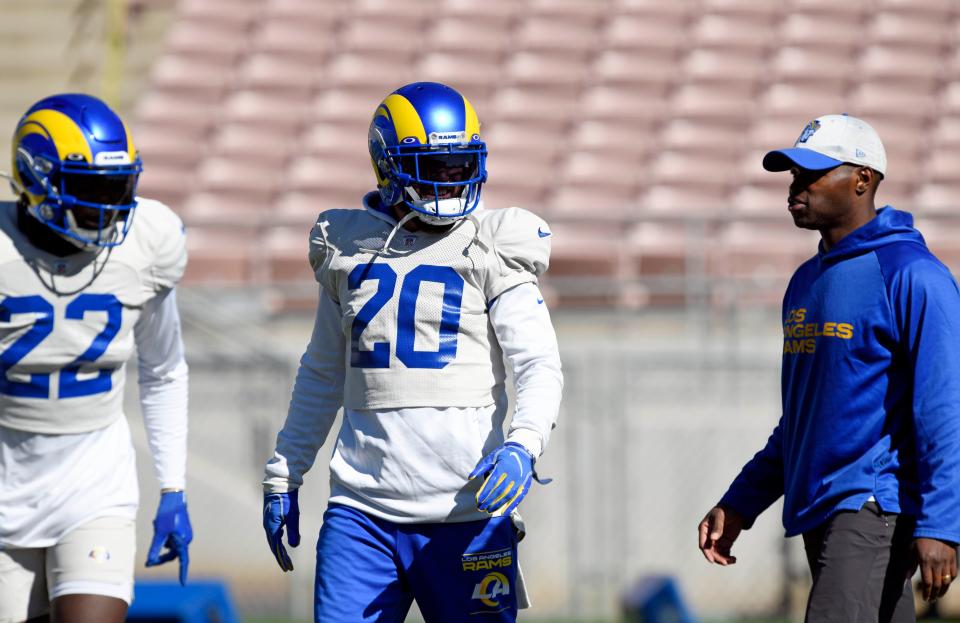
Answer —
(509, 472)
(279, 510)
(171, 529)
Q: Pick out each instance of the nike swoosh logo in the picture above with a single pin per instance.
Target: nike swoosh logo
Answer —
(542, 234)
(539, 301)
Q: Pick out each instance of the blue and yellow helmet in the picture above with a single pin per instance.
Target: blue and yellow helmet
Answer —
(76, 167)
(426, 150)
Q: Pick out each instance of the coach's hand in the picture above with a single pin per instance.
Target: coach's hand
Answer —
(509, 472)
(937, 561)
(718, 531)
(171, 529)
(279, 510)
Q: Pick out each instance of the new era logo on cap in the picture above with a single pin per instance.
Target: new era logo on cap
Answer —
(830, 141)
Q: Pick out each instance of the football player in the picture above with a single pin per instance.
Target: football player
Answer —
(88, 273)
(422, 294)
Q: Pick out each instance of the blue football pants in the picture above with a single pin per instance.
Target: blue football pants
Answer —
(369, 569)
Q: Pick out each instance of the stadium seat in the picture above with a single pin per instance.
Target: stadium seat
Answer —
(266, 109)
(909, 29)
(302, 40)
(567, 35)
(725, 137)
(471, 72)
(678, 8)
(196, 39)
(714, 66)
(531, 104)
(206, 78)
(841, 33)
(752, 30)
(491, 37)
(250, 142)
(934, 197)
(609, 103)
(665, 33)
(361, 36)
(368, 70)
(278, 75)
(684, 197)
(219, 257)
(637, 67)
(612, 137)
(792, 102)
(714, 100)
(794, 62)
(309, 12)
(587, 267)
(345, 105)
(703, 169)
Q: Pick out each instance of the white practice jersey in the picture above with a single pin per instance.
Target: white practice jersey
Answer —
(416, 315)
(410, 341)
(67, 328)
(66, 324)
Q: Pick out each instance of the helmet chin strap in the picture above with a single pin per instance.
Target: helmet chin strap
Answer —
(454, 204)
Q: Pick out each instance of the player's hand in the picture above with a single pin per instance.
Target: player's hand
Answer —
(279, 510)
(718, 531)
(171, 529)
(509, 472)
(937, 561)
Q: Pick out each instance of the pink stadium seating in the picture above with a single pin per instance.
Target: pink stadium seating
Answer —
(663, 32)
(369, 36)
(489, 37)
(607, 103)
(243, 141)
(714, 100)
(266, 109)
(937, 197)
(295, 39)
(196, 39)
(568, 35)
(750, 30)
(841, 33)
(219, 257)
(321, 15)
(683, 197)
(616, 119)
(202, 78)
(613, 137)
(368, 70)
(561, 72)
(470, 71)
(636, 67)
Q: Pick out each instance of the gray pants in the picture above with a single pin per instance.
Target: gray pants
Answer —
(859, 561)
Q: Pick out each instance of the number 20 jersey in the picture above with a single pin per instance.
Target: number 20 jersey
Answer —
(66, 323)
(415, 314)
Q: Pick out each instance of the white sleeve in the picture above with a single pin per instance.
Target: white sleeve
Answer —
(317, 396)
(163, 376)
(526, 335)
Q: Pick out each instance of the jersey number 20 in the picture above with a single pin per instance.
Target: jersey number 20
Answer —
(379, 355)
(70, 386)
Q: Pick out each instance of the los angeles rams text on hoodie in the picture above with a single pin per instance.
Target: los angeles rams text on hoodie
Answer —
(870, 387)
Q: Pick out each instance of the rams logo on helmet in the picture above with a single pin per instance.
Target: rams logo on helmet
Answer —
(75, 166)
(421, 155)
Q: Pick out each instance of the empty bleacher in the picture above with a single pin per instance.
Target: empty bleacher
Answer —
(636, 125)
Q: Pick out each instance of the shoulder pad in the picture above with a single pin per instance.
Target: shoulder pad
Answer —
(520, 238)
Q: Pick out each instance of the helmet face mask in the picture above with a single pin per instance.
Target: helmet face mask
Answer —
(427, 153)
(77, 170)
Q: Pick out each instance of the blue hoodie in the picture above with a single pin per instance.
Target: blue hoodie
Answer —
(870, 387)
